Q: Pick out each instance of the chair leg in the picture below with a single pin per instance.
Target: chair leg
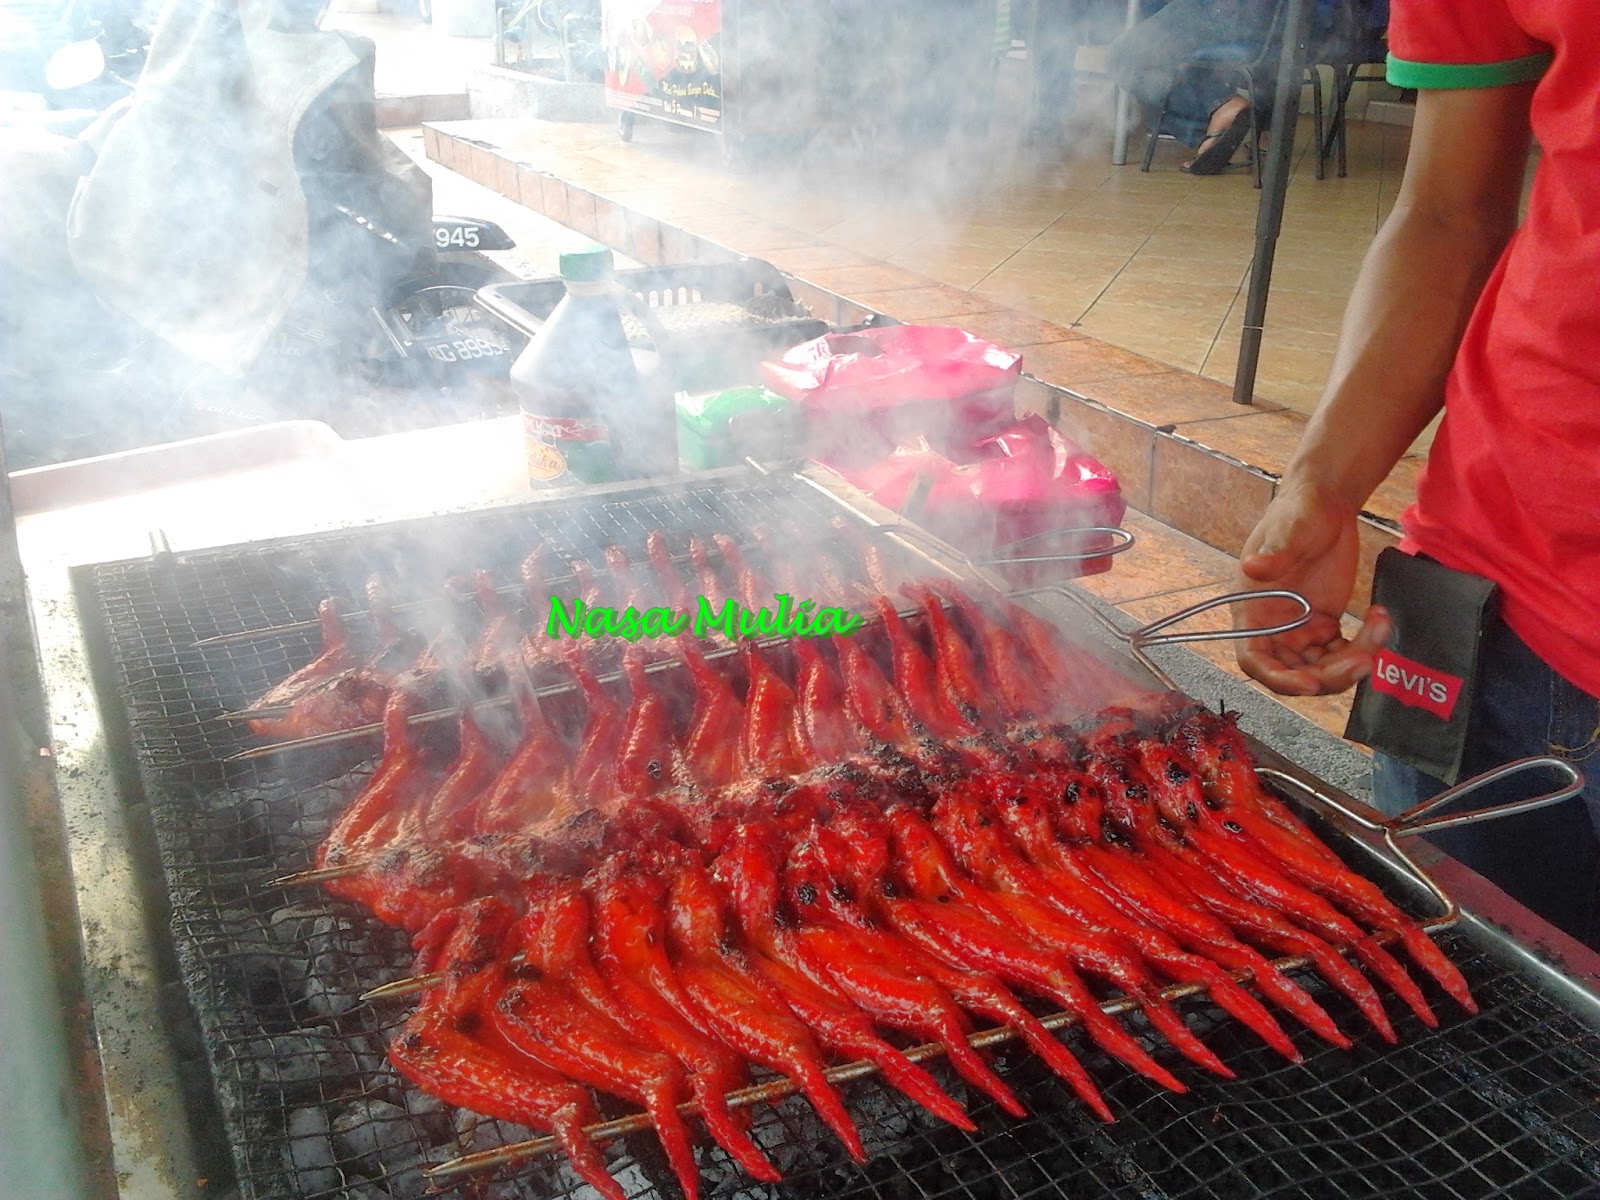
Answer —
(1337, 138)
(1314, 74)
(1254, 137)
(1251, 91)
(1154, 135)
(1344, 109)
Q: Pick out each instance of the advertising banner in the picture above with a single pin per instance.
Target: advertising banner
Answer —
(663, 59)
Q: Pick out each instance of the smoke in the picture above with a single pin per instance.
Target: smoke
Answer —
(212, 253)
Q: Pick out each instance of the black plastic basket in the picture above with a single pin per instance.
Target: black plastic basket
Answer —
(701, 355)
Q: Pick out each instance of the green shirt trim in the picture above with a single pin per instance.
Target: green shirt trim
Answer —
(1407, 74)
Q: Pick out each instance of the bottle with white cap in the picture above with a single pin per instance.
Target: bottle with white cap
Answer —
(593, 408)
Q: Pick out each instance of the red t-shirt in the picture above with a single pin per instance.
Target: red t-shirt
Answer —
(1511, 490)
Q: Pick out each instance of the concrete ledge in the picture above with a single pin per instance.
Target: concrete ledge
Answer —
(403, 112)
(505, 92)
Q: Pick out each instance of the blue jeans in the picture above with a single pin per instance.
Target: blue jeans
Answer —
(1547, 860)
(1145, 60)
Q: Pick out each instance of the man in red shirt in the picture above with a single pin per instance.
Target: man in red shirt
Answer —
(1458, 307)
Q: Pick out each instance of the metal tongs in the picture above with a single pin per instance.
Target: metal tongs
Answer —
(1419, 819)
(1119, 539)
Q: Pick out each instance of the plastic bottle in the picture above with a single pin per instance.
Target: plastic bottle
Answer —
(593, 409)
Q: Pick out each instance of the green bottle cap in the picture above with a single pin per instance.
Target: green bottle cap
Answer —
(589, 263)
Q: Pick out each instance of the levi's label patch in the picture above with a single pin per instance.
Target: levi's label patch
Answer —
(1415, 683)
(1416, 704)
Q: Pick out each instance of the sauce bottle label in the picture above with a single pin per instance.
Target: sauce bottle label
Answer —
(568, 450)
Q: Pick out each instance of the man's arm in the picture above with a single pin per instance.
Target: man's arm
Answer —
(1422, 276)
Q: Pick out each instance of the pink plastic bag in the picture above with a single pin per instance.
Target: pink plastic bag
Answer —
(1026, 482)
(859, 395)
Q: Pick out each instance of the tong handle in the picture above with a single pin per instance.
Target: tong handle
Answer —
(1121, 539)
(1415, 820)
(1151, 635)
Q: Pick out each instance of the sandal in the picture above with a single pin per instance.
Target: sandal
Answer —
(1217, 149)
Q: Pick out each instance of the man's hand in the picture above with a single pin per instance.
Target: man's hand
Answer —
(1305, 543)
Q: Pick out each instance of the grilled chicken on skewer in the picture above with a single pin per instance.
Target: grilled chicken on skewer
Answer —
(478, 1070)
(539, 1012)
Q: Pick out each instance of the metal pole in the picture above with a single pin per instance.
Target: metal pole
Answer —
(1274, 185)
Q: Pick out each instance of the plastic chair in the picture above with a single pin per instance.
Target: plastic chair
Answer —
(1250, 63)
(1357, 42)
(1348, 36)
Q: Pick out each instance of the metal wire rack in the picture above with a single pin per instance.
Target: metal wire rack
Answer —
(1504, 1104)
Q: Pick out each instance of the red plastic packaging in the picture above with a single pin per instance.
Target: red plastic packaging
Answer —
(1027, 481)
(861, 395)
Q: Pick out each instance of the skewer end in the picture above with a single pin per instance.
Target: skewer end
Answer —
(401, 988)
(316, 875)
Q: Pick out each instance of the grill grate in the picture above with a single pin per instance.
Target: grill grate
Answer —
(1507, 1103)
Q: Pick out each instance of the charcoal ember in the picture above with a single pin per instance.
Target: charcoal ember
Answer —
(367, 1132)
(292, 802)
(486, 1133)
(330, 934)
(309, 1153)
(294, 923)
(633, 1178)
(792, 1135)
(721, 1177)
(307, 831)
(370, 1050)
(886, 1118)
(316, 1057)
(403, 1175)
(326, 999)
(272, 980)
(431, 1114)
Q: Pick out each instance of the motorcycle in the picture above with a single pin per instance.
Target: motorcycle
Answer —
(381, 334)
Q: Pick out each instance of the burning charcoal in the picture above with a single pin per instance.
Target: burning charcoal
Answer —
(331, 987)
(309, 1153)
(431, 1114)
(307, 831)
(885, 1119)
(324, 998)
(793, 1136)
(330, 935)
(721, 1177)
(403, 1173)
(271, 980)
(633, 1178)
(367, 1130)
(293, 923)
(316, 1058)
(485, 1133)
(370, 1052)
(509, 1189)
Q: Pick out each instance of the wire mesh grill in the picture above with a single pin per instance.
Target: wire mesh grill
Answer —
(1504, 1104)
